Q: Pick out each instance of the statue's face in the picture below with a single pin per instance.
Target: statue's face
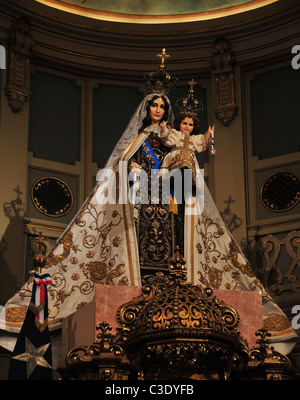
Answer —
(157, 110)
(187, 125)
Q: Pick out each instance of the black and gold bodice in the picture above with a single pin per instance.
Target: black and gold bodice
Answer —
(158, 229)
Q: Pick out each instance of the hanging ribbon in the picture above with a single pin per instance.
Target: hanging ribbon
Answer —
(39, 300)
(173, 206)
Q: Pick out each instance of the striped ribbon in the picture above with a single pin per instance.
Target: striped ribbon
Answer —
(39, 300)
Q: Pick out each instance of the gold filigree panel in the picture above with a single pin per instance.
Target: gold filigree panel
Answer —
(280, 191)
(52, 196)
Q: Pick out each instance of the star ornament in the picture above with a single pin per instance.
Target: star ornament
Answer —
(33, 356)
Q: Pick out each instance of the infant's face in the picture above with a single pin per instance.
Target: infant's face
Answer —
(187, 125)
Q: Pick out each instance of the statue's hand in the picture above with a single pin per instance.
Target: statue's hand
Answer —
(163, 126)
(208, 134)
(135, 167)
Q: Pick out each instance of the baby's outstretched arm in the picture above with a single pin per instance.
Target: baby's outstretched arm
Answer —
(164, 129)
(208, 135)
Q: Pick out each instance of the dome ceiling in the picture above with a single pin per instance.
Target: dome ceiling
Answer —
(155, 11)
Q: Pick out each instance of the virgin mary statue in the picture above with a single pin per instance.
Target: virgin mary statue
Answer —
(114, 239)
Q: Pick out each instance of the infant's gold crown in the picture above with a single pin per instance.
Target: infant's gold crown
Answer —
(189, 105)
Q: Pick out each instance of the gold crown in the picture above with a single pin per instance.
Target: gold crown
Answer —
(160, 81)
(189, 104)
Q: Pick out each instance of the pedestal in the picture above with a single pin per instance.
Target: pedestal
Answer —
(79, 328)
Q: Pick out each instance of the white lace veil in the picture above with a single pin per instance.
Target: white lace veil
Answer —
(133, 128)
(131, 131)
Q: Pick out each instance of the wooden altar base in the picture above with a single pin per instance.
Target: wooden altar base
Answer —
(79, 328)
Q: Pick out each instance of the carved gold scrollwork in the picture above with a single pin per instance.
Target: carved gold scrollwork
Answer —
(279, 278)
(105, 359)
(177, 305)
(272, 364)
(173, 324)
(129, 314)
(175, 330)
(20, 43)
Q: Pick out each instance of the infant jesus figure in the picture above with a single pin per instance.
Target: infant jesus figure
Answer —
(185, 142)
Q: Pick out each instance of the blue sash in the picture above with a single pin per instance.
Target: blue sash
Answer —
(150, 155)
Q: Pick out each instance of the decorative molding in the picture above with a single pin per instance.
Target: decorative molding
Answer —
(68, 42)
(222, 63)
(20, 43)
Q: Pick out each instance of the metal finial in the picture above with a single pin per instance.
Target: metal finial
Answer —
(192, 83)
(163, 56)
